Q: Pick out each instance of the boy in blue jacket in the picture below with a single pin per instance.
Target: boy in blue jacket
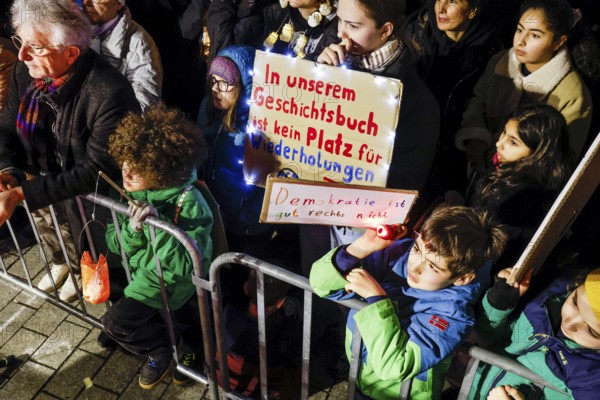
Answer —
(419, 293)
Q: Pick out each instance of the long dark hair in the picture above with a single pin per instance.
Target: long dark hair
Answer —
(559, 18)
(544, 130)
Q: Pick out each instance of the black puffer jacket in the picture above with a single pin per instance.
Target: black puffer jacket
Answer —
(86, 111)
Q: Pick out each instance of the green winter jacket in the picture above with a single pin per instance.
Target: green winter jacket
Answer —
(536, 341)
(409, 335)
(195, 218)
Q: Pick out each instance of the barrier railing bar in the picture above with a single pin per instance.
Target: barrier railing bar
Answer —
(86, 227)
(163, 295)
(124, 261)
(20, 253)
(66, 255)
(506, 364)
(54, 300)
(356, 355)
(283, 275)
(262, 335)
(40, 247)
(306, 330)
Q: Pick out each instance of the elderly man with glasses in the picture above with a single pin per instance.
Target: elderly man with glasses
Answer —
(63, 103)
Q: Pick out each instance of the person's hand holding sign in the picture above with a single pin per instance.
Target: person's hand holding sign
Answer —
(368, 243)
(335, 54)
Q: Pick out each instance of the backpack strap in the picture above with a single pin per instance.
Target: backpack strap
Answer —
(180, 202)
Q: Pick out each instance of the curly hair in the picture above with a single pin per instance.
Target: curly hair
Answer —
(162, 145)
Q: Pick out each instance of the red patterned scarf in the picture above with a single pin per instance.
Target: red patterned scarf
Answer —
(29, 108)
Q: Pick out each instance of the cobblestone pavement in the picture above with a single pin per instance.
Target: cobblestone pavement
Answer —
(56, 351)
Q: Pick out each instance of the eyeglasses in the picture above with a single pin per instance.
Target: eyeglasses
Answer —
(222, 86)
(35, 49)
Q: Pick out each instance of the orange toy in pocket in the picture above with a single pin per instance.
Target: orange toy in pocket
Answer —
(94, 278)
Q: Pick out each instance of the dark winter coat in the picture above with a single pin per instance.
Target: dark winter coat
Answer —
(451, 70)
(231, 22)
(86, 110)
(417, 130)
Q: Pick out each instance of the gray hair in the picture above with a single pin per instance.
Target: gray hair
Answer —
(62, 20)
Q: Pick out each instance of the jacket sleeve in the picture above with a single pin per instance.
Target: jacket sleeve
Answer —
(7, 60)
(144, 70)
(326, 280)
(220, 23)
(576, 107)
(473, 125)
(114, 102)
(131, 241)
(492, 322)
(391, 354)
(12, 153)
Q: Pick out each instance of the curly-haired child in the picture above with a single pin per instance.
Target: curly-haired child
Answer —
(158, 153)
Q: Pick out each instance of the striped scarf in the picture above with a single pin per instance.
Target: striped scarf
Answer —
(29, 107)
(380, 59)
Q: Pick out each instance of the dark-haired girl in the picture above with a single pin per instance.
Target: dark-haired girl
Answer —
(536, 69)
(527, 169)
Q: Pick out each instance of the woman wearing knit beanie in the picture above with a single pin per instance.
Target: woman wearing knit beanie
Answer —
(557, 335)
(223, 117)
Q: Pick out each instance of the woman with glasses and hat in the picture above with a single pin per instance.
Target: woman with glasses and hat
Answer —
(223, 117)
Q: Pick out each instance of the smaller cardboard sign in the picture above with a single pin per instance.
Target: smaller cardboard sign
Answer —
(292, 201)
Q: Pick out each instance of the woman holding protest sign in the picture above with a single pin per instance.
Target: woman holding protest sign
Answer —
(370, 33)
(223, 117)
(371, 41)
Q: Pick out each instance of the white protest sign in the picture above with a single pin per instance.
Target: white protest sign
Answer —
(320, 123)
(304, 202)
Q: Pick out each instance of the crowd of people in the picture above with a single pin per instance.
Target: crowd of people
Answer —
(496, 112)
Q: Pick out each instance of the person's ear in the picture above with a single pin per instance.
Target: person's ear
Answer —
(473, 12)
(386, 30)
(464, 279)
(73, 53)
(558, 44)
(246, 288)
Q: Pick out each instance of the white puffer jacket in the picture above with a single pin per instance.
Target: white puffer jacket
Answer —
(130, 49)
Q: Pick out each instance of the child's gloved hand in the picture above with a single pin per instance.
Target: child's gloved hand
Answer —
(504, 296)
(139, 214)
(505, 392)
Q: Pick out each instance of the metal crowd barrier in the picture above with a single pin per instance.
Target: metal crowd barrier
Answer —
(480, 355)
(204, 288)
(212, 325)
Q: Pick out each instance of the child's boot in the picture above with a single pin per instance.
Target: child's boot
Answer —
(154, 370)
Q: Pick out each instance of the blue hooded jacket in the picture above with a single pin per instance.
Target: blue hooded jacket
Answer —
(240, 201)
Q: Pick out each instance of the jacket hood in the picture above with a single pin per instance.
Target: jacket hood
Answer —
(243, 57)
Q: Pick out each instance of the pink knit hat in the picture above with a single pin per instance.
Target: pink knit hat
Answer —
(226, 69)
